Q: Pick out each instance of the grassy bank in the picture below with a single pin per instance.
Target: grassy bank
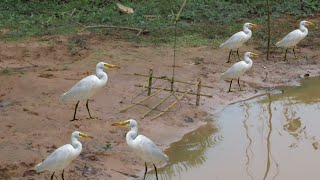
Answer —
(202, 21)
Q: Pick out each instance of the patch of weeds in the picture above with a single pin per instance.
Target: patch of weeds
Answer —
(105, 149)
(7, 71)
(77, 43)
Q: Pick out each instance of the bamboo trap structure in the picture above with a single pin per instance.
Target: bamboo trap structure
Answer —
(175, 102)
(169, 79)
(144, 99)
(157, 105)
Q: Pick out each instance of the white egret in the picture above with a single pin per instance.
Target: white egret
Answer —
(238, 39)
(238, 69)
(143, 146)
(294, 37)
(87, 87)
(63, 156)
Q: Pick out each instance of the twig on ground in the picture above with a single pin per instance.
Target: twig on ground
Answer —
(140, 31)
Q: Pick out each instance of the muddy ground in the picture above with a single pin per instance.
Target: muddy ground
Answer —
(35, 72)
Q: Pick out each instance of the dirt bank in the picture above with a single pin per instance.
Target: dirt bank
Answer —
(34, 122)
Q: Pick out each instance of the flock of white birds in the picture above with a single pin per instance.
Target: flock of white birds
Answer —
(140, 144)
(239, 38)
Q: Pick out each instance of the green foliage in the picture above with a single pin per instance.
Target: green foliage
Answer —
(200, 21)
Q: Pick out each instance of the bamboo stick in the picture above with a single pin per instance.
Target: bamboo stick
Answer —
(160, 114)
(189, 92)
(146, 98)
(198, 92)
(150, 81)
(162, 101)
(166, 78)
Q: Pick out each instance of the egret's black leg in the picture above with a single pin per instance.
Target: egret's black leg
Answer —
(285, 55)
(238, 54)
(230, 85)
(229, 56)
(239, 84)
(155, 168)
(52, 176)
(294, 52)
(75, 112)
(145, 172)
(87, 105)
(62, 175)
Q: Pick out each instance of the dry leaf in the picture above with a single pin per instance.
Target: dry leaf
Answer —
(125, 9)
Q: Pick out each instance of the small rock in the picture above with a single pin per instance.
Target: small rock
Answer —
(188, 119)
(6, 103)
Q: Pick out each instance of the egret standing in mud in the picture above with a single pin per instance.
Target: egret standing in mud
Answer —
(294, 37)
(238, 69)
(238, 39)
(143, 146)
(87, 87)
(63, 156)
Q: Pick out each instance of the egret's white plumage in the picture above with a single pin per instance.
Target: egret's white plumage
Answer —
(238, 69)
(63, 156)
(294, 37)
(238, 39)
(88, 86)
(143, 146)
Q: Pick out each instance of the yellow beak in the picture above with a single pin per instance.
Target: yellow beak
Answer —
(254, 25)
(310, 23)
(111, 66)
(253, 54)
(120, 123)
(85, 136)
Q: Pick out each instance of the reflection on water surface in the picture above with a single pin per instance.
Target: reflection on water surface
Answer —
(268, 137)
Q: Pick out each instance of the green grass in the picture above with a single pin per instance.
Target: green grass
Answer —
(202, 21)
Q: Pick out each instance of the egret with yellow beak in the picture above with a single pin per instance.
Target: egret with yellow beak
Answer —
(63, 156)
(238, 39)
(143, 146)
(87, 87)
(294, 37)
(238, 69)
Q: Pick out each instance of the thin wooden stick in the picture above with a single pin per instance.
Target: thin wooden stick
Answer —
(269, 29)
(140, 31)
(160, 114)
(178, 14)
(166, 78)
(189, 92)
(157, 105)
(198, 92)
(126, 174)
(146, 98)
(150, 81)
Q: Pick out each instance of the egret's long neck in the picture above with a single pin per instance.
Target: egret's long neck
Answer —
(131, 135)
(102, 76)
(248, 60)
(247, 31)
(303, 29)
(76, 144)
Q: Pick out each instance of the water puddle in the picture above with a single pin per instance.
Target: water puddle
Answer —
(268, 137)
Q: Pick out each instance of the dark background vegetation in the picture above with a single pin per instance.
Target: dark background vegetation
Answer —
(202, 22)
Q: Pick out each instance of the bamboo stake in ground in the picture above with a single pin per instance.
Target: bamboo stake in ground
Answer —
(269, 33)
(146, 98)
(170, 106)
(150, 81)
(198, 92)
(162, 101)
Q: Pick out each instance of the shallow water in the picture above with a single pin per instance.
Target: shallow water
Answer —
(267, 137)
